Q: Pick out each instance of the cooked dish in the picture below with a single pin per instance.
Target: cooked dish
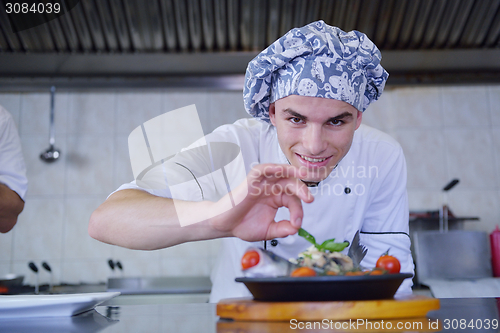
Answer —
(318, 259)
(333, 262)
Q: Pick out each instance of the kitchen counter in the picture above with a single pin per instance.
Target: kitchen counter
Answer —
(189, 313)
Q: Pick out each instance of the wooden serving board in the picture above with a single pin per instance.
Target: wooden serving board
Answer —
(245, 309)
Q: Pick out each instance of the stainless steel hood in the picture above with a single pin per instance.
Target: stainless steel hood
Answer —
(183, 42)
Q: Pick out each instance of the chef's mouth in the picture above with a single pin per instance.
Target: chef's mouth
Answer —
(314, 161)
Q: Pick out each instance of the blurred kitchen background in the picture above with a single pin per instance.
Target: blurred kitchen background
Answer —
(117, 64)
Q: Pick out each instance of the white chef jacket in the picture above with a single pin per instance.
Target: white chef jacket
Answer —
(365, 192)
(12, 167)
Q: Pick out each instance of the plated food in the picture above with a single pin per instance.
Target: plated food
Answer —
(320, 273)
(323, 259)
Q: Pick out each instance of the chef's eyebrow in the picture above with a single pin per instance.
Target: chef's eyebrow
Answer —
(345, 115)
(295, 114)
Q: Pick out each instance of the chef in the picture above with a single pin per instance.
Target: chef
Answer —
(309, 163)
(13, 182)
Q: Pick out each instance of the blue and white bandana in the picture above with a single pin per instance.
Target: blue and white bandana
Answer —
(316, 60)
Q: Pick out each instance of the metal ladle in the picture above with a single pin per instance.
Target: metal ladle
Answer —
(51, 154)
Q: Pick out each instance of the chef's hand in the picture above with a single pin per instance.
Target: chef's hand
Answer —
(270, 186)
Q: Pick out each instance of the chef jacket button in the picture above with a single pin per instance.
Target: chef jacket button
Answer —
(347, 190)
(274, 242)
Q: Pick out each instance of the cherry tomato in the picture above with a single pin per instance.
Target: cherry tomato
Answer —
(250, 259)
(390, 263)
(303, 271)
(354, 273)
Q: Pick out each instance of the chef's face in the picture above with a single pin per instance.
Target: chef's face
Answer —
(314, 133)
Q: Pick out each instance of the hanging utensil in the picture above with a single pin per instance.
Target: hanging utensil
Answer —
(33, 267)
(443, 211)
(48, 269)
(51, 154)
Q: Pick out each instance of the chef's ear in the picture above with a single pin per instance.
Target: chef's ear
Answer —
(272, 114)
(358, 119)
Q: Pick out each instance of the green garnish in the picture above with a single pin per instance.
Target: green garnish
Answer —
(328, 245)
(307, 236)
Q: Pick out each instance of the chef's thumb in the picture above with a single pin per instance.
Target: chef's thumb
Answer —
(281, 229)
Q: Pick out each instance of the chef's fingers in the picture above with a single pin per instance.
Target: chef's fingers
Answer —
(293, 187)
(294, 205)
(281, 229)
(275, 177)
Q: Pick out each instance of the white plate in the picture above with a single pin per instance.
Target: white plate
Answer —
(23, 306)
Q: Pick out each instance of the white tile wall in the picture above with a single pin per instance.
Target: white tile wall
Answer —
(495, 132)
(482, 203)
(12, 102)
(494, 104)
(89, 165)
(133, 109)
(174, 100)
(466, 107)
(425, 160)
(225, 107)
(84, 271)
(417, 108)
(5, 248)
(425, 199)
(446, 132)
(122, 169)
(5, 266)
(470, 158)
(39, 231)
(92, 113)
(379, 114)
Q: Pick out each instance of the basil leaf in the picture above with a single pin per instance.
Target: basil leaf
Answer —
(329, 244)
(322, 246)
(334, 247)
(310, 238)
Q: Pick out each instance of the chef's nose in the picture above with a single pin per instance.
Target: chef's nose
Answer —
(314, 141)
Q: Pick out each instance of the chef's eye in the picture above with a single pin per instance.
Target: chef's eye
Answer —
(295, 120)
(336, 122)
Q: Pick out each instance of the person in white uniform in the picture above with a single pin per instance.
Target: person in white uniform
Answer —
(307, 160)
(13, 181)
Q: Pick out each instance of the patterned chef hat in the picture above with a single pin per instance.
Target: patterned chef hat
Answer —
(316, 60)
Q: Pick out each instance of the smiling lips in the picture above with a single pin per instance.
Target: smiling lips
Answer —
(314, 161)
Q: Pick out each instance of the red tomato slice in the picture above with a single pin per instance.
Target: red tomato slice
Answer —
(250, 259)
(303, 271)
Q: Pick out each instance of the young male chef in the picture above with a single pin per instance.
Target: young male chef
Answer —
(308, 160)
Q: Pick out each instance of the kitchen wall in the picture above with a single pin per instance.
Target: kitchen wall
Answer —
(446, 132)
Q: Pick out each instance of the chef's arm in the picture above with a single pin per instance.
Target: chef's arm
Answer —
(11, 205)
(139, 220)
